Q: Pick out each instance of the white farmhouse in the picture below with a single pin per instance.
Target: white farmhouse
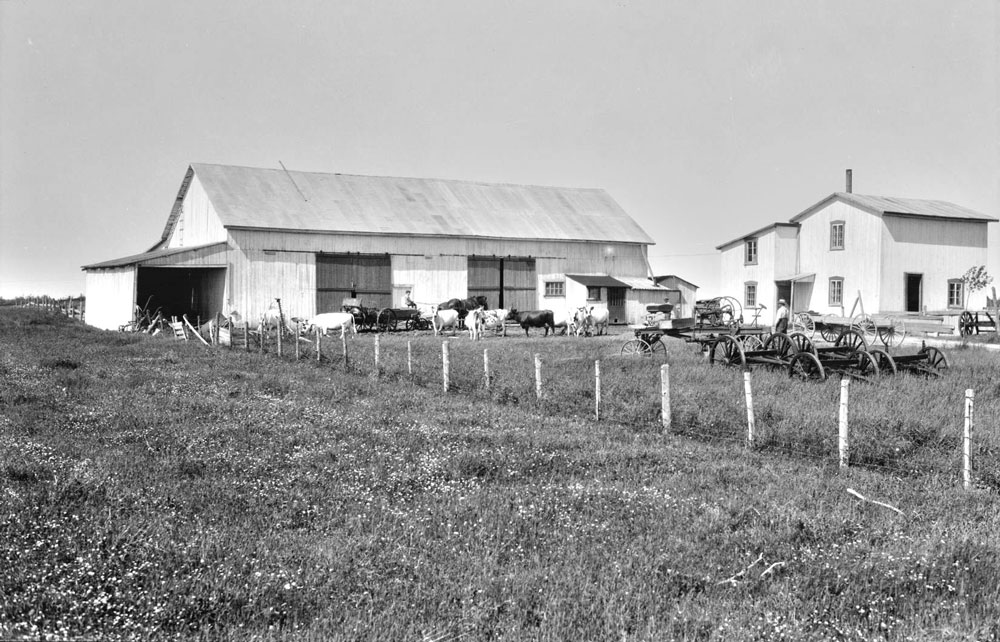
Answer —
(850, 251)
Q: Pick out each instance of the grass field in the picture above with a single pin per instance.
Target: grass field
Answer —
(157, 489)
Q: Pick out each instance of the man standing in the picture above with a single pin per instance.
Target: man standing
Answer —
(781, 317)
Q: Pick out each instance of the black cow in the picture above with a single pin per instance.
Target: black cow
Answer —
(464, 305)
(534, 319)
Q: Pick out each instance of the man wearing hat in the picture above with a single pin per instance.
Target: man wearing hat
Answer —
(781, 317)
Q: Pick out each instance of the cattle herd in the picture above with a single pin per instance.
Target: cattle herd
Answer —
(472, 315)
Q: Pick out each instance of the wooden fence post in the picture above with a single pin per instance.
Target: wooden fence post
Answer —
(486, 368)
(319, 350)
(538, 376)
(376, 354)
(281, 331)
(597, 390)
(262, 336)
(409, 359)
(967, 440)
(665, 411)
(298, 333)
(343, 346)
(246, 335)
(844, 432)
(444, 364)
(751, 425)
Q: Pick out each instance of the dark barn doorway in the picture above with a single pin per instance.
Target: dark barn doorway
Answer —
(914, 291)
(176, 291)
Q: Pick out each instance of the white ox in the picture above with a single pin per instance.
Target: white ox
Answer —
(496, 320)
(590, 319)
(328, 321)
(563, 319)
(444, 319)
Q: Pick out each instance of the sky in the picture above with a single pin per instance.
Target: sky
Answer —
(703, 120)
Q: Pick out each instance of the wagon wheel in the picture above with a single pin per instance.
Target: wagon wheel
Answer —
(805, 365)
(966, 324)
(863, 323)
(410, 324)
(892, 335)
(782, 344)
(386, 320)
(937, 363)
(829, 332)
(867, 366)
(802, 342)
(803, 322)
(636, 346)
(359, 317)
(751, 342)
(886, 364)
(656, 346)
(729, 352)
(851, 338)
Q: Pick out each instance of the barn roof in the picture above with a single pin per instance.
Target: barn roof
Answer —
(246, 197)
(900, 206)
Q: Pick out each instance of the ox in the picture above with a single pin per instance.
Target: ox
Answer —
(593, 319)
(534, 319)
(474, 323)
(332, 321)
(443, 319)
(562, 319)
(496, 320)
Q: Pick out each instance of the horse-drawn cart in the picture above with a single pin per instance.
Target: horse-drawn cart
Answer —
(888, 329)
(384, 319)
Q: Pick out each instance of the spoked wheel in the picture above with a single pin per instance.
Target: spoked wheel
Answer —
(867, 367)
(966, 324)
(864, 324)
(829, 332)
(805, 365)
(386, 320)
(851, 338)
(802, 342)
(656, 346)
(729, 352)
(782, 344)
(893, 334)
(751, 342)
(730, 311)
(636, 346)
(936, 362)
(803, 322)
(886, 364)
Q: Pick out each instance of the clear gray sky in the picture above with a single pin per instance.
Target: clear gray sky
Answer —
(704, 120)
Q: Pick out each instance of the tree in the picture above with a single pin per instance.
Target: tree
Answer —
(975, 279)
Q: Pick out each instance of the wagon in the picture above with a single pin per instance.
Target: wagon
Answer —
(976, 322)
(648, 339)
(889, 330)
(389, 319)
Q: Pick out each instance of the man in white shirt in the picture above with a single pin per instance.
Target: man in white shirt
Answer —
(781, 317)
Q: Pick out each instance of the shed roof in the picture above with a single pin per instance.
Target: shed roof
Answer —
(597, 280)
(139, 259)
(246, 197)
(900, 206)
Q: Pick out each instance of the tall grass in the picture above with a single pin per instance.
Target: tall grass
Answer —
(158, 489)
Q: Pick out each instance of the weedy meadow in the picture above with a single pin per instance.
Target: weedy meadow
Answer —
(160, 489)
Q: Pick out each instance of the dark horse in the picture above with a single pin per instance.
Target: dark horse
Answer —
(464, 305)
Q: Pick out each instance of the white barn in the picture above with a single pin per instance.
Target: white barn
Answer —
(237, 238)
(850, 250)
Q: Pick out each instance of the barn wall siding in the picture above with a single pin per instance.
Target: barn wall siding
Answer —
(110, 297)
(433, 278)
(198, 222)
(257, 278)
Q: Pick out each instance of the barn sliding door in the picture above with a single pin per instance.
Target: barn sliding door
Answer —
(343, 276)
(484, 279)
(520, 284)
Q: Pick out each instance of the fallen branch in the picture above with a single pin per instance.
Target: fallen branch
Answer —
(770, 568)
(872, 501)
(732, 580)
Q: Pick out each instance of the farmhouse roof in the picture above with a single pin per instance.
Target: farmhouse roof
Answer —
(275, 199)
(892, 205)
(756, 233)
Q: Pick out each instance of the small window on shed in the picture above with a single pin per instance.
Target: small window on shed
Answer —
(750, 252)
(955, 293)
(593, 293)
(555, 288)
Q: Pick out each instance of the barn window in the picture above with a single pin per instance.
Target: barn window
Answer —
(955, 293)
(750, 294)
(837, 290)
(750, 252)
(593, 293)
(837, 235)
(555, 288)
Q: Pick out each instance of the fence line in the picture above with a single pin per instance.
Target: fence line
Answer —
(750, 441)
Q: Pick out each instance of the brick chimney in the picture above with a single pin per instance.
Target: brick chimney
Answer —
(849, 177)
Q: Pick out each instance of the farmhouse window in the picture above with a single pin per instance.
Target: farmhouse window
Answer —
(837, 290)
(555, 288)
(750, 294)
(837, 235)
(955, 293)
(750, 252)
(593, 293)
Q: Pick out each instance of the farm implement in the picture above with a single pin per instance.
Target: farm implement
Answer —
(384, 319)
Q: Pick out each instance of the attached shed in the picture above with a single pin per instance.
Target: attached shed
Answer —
(237, 238)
